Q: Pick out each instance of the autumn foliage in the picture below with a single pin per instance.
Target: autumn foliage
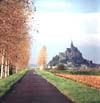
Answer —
(92, 81)
(14, 37)
(41, 59)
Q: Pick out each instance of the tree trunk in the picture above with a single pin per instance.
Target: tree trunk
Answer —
(16, 70)
(2, 65)
(6, 68)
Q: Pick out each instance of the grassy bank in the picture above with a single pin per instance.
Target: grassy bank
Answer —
(6, 83)
(80, 72)
(75, 91)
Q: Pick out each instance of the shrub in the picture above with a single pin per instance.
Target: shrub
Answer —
(60, 67)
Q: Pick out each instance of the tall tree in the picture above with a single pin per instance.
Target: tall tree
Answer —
(41, 59)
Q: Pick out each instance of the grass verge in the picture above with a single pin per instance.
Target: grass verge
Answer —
(80, 72)
(6, 83)
(76, 91)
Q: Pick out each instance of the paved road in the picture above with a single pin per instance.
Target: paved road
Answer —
(34, 89)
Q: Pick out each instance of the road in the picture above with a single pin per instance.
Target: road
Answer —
(32, 88)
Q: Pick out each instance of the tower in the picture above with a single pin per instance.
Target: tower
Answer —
(72, 44)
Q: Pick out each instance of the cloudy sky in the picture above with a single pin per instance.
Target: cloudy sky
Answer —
(60, 21)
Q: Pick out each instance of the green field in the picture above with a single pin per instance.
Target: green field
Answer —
(76, 91)
(6, 83)
(80, 72)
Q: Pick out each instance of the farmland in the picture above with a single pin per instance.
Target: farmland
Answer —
(90, 80)
(77, 71)
(88, 77)
(76, 91)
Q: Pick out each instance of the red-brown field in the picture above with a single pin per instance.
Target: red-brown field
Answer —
(90, 80)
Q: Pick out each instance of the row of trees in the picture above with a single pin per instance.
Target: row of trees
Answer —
(14, 37)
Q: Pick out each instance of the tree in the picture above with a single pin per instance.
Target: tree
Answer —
(41, 59)
(14, 36)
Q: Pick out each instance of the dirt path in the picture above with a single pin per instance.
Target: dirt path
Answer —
(34, 89)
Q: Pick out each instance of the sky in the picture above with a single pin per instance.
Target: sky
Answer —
(60, 21)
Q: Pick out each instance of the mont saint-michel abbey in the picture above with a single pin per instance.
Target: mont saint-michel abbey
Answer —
(71, 56)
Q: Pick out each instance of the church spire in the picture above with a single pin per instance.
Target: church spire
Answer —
(72, 44)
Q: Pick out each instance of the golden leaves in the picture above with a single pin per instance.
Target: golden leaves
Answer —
(14, 37)
(41, 59)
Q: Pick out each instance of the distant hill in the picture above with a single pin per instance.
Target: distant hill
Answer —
(71, 56)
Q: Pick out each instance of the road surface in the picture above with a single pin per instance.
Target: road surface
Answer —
(32, 88)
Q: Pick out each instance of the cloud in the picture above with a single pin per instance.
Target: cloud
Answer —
(91, 26)
(62, 27)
